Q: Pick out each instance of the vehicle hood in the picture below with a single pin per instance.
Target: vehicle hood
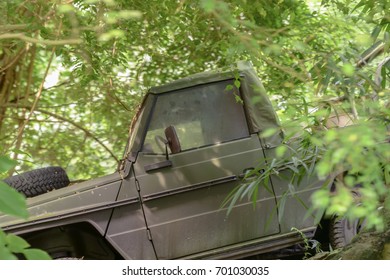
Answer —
(83, 197)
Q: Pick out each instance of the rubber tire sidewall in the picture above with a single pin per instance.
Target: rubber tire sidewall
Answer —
(342, 231)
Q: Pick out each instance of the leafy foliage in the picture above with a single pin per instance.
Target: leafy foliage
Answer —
(12, 202)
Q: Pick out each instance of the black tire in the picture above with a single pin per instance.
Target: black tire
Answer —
(68, 259)
(342, 230)
(39, 181)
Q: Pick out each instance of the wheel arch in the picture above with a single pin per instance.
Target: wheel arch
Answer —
(76, 240)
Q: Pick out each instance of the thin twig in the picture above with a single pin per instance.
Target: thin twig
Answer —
(21, 36)
(14, 60)
(11, 27)
(38, 96)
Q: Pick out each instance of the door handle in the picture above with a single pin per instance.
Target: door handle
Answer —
(248, 170)
(159, 165)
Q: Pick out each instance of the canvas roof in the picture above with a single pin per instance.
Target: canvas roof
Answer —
(260, 110)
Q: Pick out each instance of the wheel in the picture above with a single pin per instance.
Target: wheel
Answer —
(39, 181)
(68, 256)
(342, 230)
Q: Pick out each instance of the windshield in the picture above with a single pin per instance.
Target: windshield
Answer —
(202, 115)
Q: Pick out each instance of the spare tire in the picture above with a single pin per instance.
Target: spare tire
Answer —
(39, 181)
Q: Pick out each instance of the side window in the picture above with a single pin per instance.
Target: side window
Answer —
(202, 115)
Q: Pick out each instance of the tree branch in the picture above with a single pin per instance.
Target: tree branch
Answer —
(21, 36)
(10, 27)
(14, 60)
(61, 118)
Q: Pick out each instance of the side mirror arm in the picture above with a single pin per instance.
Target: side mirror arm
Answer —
(165, 142)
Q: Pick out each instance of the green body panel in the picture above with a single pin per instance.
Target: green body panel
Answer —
(72, 200)
(197, 185)
(169, 206)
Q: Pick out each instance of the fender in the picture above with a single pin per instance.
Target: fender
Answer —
(72, 201)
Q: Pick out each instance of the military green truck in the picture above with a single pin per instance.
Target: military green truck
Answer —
(192, 142)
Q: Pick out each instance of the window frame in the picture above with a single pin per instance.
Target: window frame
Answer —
(153, 107)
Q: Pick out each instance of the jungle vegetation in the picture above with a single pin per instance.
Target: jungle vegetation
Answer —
(73, 73)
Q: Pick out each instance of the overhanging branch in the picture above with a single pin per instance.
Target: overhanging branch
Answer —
(61, 118)
(22, 37)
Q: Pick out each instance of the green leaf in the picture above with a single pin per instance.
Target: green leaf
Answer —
(387, 174)
(291, 188)
(254, 196)
(375, 32)
(12, 202)
(323, 168)
(384, 76)
(348, 69)
(229, 87)
(130, 14)
(208, 5)
(6, 163)
(281, 206)
(238, 99)
(114, 33)
(318, 215)
(237, 83)
(321, 199)
(3, 238)
(339, 155)
(16, 244)
(5, 254)
(280, 151)
(65, 8)
(233, 197)
(364, 40)
(36, 254)
(109, 2)
(269, 132)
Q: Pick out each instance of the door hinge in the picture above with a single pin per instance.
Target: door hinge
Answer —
(149, 234)
(137, 186)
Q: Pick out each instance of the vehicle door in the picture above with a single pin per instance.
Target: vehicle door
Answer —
(182, 192)
(294, 183)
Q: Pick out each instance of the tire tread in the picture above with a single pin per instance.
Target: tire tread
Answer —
(39, 181)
